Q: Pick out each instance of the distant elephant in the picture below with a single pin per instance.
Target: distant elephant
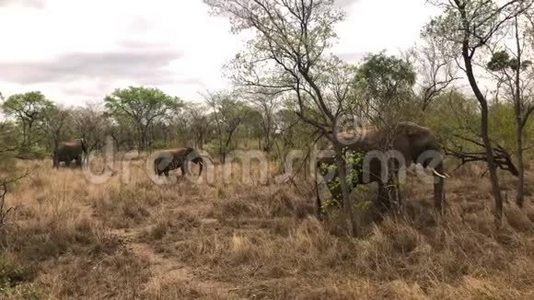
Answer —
(173, 159)
(406, 144)
(68, 151)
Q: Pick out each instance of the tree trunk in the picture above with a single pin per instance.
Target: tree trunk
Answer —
(24, 136)
(484, 133)
(143, 140)
(347, 205)
(439, 195)
(520, 197)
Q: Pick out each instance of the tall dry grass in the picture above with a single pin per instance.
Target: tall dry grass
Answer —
(128, 238)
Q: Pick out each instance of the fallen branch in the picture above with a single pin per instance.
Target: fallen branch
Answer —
(502, 158)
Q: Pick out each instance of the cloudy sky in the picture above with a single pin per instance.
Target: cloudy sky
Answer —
(80, 50)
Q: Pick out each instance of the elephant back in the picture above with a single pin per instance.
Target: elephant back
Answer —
(71, 144)
(183, 153)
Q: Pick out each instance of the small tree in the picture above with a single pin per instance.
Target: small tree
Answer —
(143, 107)
(385, 85)
(228, 114)
(29, 109)
(91, 124)
(55, 125)
(267, 105)
(199, 124)
(514, 73)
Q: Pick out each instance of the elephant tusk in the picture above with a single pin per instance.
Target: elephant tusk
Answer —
(436, 173)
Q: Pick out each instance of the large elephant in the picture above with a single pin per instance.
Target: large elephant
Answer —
(169, 160)
(379, 155)
(68, 151)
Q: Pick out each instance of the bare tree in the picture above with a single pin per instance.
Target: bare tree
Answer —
(228, 116)
(288, 55)
(514, 74)
(91, 124)
(198, 123)
(437, 71)
(55, 121)
(266, 104)
(470, 25)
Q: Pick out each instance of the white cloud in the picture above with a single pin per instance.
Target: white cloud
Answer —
(75, 51)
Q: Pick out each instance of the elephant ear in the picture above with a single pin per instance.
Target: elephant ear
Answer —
(419, 136)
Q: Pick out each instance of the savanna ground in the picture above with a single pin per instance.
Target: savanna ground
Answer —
(72, 239)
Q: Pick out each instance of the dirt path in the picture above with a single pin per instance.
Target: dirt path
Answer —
(166, 272)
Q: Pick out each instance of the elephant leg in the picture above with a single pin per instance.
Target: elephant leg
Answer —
(317, 199)
(384, 203)
(439, 197)
(396, 192)
(78, 161)
(160, 168)
(182, 168)
(391, 191)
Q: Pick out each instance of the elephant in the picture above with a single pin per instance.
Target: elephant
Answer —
(68, 151)
(169, 160)
(379, 155)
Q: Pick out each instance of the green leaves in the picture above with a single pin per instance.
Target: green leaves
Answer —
(28, 106)
(142, 107)
(384, 83)
(29, 110)
(141, 104)
(354, 162)
(386, 76)
(500, 61)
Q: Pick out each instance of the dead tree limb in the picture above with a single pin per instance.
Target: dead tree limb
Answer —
(503, 159)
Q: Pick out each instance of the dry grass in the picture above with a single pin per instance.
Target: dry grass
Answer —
(72, 239)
